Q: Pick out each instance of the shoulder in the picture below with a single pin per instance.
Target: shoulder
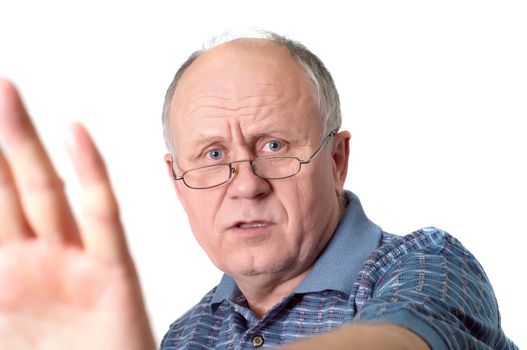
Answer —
(429, 255)
(427, 281)
(428, 241)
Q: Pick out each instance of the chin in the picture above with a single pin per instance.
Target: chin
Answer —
(260, 268)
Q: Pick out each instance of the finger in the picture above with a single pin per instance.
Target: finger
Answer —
(13, 224)
(39, 187)
(102, 233)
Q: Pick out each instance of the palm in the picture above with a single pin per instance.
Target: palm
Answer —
(63, 284)
(51, 296)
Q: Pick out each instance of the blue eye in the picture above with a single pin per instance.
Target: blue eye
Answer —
(215, 154)
(274, 145)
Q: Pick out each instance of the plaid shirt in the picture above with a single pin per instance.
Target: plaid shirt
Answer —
(425, 281)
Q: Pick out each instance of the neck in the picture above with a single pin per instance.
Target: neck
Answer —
(262, 292)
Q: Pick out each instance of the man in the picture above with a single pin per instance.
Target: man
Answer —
(259, 165)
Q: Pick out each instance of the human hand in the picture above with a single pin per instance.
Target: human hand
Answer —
(64, 284)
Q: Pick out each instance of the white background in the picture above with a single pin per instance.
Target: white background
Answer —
(434, 93)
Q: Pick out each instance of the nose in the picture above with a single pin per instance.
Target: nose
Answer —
(245, 183)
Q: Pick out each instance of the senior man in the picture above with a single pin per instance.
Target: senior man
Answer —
(259, 165)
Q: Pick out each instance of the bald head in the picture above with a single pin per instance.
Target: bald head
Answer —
(267, 49)
(239, 69)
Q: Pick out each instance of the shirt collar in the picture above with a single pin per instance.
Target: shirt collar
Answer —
(339, 263)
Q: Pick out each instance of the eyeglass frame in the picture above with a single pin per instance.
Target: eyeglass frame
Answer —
(233, 170)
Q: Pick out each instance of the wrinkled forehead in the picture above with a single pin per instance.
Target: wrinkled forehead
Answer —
(242, 78)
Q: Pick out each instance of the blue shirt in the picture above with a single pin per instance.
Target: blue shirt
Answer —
(425, 281)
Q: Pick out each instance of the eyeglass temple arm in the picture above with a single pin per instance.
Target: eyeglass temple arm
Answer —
(173, 171)
(331, 134)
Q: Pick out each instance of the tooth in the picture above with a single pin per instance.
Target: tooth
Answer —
(254, 225)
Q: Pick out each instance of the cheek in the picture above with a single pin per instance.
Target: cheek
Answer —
(313, 203)
(202, 210)
(315, 188)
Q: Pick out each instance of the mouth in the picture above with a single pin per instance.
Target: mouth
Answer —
(251, 225)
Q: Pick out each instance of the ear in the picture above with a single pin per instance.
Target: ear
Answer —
(340, 156)
(170, 164)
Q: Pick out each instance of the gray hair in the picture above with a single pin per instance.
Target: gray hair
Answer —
(327, 97)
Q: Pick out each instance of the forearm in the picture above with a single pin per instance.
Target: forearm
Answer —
(371, 337)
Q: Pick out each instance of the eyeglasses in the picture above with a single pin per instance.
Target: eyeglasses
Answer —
(267, 168)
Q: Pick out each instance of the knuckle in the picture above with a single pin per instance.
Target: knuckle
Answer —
(100, 205)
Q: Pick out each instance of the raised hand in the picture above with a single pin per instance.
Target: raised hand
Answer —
(64, 284)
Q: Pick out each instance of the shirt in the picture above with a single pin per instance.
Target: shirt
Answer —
(425, 281)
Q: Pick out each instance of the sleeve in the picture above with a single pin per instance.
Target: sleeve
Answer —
(429, 283)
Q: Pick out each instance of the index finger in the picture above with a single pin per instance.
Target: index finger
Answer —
(40, 188)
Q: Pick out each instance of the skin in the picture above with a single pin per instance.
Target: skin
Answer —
(64, 284)
(237, 99)
(364, 337)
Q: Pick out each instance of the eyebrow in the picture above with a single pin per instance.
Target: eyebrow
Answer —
(204, 138)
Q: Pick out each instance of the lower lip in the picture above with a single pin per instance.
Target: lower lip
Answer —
(253, 231)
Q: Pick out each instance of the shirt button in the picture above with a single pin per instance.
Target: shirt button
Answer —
(258, 341)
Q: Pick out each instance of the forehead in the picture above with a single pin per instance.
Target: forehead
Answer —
(261, 58)
(257, 82)
(237, 68)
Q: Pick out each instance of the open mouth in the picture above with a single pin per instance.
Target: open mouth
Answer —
(252, 225)
(247, 225)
